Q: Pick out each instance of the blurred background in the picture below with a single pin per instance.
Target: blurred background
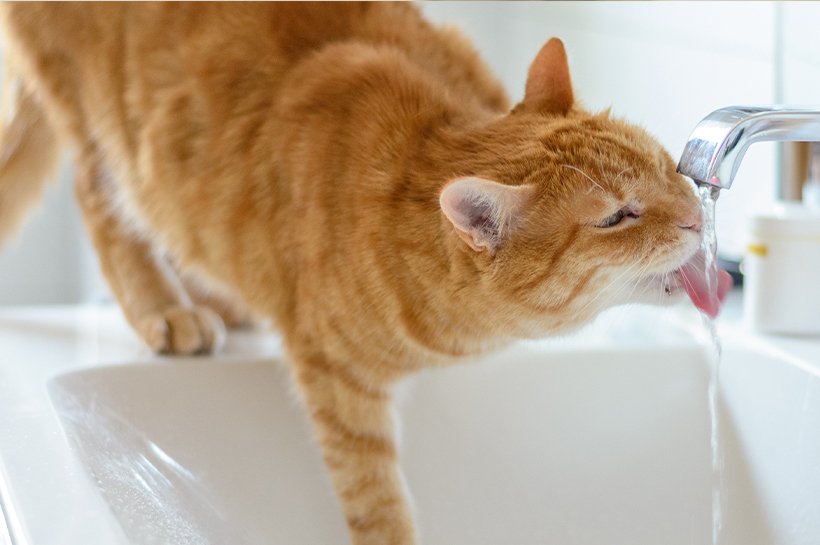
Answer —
(664, 65)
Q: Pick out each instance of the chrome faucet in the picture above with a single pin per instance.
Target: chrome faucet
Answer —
(717, 145)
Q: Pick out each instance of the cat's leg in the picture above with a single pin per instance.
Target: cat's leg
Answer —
(353, 421)
(151, 295)
(233, 312)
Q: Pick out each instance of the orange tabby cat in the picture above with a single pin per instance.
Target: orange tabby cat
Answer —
(353, 173)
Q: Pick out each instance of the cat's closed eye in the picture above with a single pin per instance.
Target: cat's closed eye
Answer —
(618, 217)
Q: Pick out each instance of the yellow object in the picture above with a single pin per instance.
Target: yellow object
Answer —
(758, 249)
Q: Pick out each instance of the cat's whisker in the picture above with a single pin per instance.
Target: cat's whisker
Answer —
(632, 282)
(587, 176)
(641, 273)
(603, 291)
(635, 281)
(613, 282)
(598, 156)
(687, 283)
(661, 292)
(637, 273)
(621, 173)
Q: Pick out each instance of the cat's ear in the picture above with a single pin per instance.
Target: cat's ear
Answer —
(549, 88)
(484, 212)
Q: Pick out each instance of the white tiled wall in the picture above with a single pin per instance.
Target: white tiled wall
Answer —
(662, 64)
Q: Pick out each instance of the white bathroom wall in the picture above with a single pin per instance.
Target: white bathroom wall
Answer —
(801, 53)
(662, 64)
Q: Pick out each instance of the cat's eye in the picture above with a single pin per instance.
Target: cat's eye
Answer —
(617, 217)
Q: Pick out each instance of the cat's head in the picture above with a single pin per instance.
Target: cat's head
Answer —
(566, 212)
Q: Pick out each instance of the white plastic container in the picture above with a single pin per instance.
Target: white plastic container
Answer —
(781, 284)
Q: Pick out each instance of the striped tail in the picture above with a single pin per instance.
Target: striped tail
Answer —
(28, 154)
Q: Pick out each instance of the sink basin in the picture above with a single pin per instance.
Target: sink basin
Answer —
(602, 438)
(530, 446)
(199, 452)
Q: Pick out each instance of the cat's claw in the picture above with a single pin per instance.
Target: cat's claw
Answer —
(183, 331)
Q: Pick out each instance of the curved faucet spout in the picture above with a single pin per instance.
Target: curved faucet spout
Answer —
(717, 145)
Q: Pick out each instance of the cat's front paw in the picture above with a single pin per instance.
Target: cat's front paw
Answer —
(183, 331)
(234, 316)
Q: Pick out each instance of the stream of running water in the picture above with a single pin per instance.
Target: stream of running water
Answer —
(709, 245)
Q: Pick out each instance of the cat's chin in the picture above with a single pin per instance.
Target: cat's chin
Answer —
(666, 285)
(659, 289)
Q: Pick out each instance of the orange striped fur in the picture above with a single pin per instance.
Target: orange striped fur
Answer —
(349, 171)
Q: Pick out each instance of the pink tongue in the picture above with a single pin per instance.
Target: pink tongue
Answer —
(697, 285)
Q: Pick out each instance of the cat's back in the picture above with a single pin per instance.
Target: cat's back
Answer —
(158, 44)
(112, 68)
(281, 32)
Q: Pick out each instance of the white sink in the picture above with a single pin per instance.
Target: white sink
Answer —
(200, 452)
(599, 439)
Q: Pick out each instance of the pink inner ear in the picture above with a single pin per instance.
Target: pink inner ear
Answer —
(481, 210)
(549, 88)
